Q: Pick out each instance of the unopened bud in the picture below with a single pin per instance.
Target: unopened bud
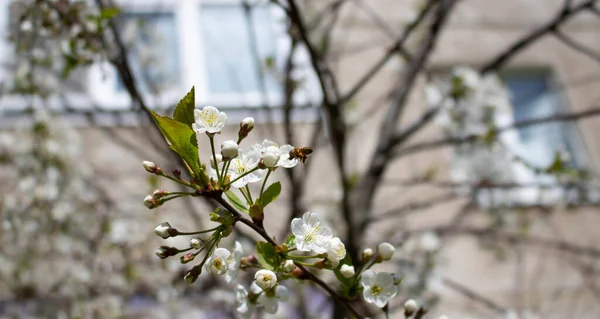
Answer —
(298, 273)
(246, 126)
(366, 255)
(191, 276)
(229, 149)
(386, 251)
(166, 251)
(150, 167)
(289, 266)
(410, 307)
(196, 242)
(219, 160)
(164, 230)
(151, 202)
(347, 271)
(177, 173)
(271, 156)
(159, 193)
(187, 258)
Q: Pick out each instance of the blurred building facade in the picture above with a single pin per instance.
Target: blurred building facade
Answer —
(177, 44)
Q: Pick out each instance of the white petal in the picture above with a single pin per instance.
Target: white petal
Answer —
(297, 227)
(282, 293)
(221, 253)
(367, 278)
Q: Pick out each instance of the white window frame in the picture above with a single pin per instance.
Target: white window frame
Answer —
(187, 14)
(102, 78)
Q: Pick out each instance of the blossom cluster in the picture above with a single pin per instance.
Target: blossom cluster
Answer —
(312, 243)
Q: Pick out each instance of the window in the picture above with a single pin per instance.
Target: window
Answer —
(533, 95)
(233, 57)
(235, 54)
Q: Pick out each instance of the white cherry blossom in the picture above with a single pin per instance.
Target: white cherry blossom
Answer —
(217, 262)
(233, 263)
(243, 306)
(378, 288)
(311, 234)
(265, 279)
(274, 155)
(209, 120)
(271, 304)
(336, 251)
(246, 161)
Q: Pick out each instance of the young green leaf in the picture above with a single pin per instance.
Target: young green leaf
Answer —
(109, 13)
(266, 254)
(270, 194)
(236, 201)
(180, 138)
(184, 112)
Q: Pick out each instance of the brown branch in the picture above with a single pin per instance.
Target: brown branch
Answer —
(559, 117)
(474, 296)
(398, 45)
(333, 108)
(565, 14)
(380, 158)
(411, 208)
(577, 46)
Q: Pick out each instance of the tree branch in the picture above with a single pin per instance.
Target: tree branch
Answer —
(473, 138)
(565, 14)
(577, 46)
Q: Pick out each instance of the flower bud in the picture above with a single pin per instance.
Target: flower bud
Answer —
(347, 271)
(366, 255)
(177, 173)
(265, 279)
(187, 258)
(289, 266)
(410, 307)
(192, 275)
(246, 126)
(196, 242)
(159, 193)
(164, 230)
(150, 167)
(151, 202)
(271, 157)
(386, 251)
(229, 149)
(219, 160)
(166, 251)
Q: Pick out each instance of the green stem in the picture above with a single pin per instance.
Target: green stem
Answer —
(248, 201)
(304, 257)
(249, 195)
(262, 188)
(304, 264)
(177, 180)
(212, 148)
(248, 172)
(198, 232)
(225, 169)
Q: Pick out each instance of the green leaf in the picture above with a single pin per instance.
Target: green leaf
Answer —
(184, 112)
(236, 201)
(109, 13)
(181, 139)
(290, 241)
(266, 254)
(270, 194)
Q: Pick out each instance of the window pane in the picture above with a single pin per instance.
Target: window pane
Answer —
(151, 38)
(230, 64)
(532, 98)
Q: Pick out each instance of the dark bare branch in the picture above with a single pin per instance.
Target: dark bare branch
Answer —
(577, 46)
(559, 117)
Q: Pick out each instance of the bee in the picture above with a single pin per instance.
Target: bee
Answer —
(300, 153)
